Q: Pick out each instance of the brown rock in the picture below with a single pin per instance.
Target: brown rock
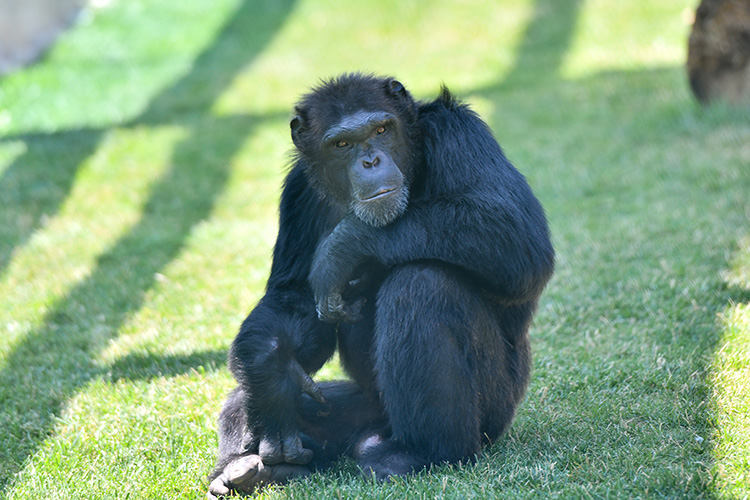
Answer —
(719, 51)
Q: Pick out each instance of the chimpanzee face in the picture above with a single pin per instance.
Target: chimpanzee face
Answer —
(360, 159)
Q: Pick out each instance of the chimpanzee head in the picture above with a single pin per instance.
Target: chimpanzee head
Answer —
(358, 138)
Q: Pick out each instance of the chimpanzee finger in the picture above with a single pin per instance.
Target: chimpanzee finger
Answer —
(331, 308)
(307, 383)
(271, 450)
(352, 312)
(294, 453)
(326, 310)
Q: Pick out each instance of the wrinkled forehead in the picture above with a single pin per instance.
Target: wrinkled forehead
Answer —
(357, 121)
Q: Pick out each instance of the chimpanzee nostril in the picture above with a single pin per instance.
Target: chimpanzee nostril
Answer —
(372, 163)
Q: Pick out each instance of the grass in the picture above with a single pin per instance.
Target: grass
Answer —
(140, 167)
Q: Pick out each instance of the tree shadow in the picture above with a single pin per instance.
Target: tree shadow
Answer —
(149, 366)
(56, 360)
(31, 188)
(552, 24)
(37, 182)
(610, 207)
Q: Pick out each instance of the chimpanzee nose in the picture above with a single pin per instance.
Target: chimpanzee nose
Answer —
(371, 163)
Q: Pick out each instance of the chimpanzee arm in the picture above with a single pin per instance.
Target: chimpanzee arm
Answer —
(474, 211)
(281, 341)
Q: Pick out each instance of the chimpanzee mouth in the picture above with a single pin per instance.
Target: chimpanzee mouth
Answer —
(383, 207)
(383, 193)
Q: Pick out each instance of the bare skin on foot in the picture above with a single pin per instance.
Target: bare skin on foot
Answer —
(247, 473)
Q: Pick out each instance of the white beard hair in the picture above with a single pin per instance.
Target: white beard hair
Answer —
(379, 216)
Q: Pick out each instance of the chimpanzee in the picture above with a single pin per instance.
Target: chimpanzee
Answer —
(407, 240)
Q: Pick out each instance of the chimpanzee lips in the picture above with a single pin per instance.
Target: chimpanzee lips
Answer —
(380, 194)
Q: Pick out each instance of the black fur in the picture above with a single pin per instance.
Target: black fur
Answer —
(438, 344)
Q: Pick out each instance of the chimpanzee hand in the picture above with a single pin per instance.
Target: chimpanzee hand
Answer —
(332, 308)
(285, 445)
(332, 274)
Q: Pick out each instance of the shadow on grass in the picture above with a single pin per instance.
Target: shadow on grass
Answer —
(32, 192)
(148, 366)
(552, 24)
(620, 396)
(619, 400)
(622, 406)
(544, 44)
(53, 362)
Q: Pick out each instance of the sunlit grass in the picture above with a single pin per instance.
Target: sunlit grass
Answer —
(731, 382)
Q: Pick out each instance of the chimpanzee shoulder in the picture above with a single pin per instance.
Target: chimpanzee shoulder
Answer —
(459, 150)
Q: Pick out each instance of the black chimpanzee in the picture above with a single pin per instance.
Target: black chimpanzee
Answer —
(409, 240)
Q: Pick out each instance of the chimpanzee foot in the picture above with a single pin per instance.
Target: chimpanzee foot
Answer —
(287, 450)
(384, 459)
(286, 447)
(247, 473)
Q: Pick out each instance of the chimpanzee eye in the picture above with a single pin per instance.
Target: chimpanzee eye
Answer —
(342, 144)
(381, 129)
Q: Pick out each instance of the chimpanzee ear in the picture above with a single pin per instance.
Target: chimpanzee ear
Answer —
(396, 87)
(296, 126)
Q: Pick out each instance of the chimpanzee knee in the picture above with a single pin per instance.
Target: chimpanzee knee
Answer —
(430, 324)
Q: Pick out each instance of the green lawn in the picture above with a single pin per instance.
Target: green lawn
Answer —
(140, 168)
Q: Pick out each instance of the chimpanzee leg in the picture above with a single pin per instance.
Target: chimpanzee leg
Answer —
(329, 429)
(430, 326)
(278, 345)
(237, 469)
(335, 428)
